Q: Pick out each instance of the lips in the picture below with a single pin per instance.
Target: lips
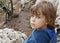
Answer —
(32, 24)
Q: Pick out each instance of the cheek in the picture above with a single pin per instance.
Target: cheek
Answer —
(30, 20)
(40, 22)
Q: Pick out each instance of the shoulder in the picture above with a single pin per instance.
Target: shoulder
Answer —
(38, 37)
(41, 36)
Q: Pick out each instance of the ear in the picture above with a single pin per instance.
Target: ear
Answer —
(47, 22)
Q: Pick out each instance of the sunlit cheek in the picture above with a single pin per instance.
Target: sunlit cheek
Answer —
(30, 20)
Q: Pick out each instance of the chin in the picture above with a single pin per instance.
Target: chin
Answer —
(36, 27)
(33, 27)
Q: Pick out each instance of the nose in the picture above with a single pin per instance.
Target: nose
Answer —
(33, 20)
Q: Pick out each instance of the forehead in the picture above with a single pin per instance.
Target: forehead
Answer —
(36, 10)
(39, 13)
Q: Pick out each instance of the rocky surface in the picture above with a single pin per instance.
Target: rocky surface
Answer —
(58, 38)
(21, 23)
(58, 8)
(8, 35)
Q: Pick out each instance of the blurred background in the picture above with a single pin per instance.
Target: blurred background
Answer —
(15, 14)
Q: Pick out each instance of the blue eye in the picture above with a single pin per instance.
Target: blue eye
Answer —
(38, 17)
(32, 16)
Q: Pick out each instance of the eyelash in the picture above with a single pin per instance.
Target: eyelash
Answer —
(36, 17)
(32, 16)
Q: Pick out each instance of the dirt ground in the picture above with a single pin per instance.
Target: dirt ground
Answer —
(21, 23)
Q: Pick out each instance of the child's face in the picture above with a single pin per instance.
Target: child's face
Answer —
(38, 22)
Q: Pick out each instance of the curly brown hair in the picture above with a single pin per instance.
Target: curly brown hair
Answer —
(47, 9)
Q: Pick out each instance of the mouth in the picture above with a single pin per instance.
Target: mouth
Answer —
(32, 24)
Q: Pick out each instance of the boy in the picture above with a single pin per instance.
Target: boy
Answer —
(42, 21)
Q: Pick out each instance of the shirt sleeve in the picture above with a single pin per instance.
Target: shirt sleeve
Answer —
(29, 41)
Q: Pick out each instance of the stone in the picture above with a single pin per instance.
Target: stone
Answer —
(8, 35)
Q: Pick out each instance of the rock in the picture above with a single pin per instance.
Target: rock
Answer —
(17, 8)
(8, 35)
(57, 21)
(58, 39)
(58, 8)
